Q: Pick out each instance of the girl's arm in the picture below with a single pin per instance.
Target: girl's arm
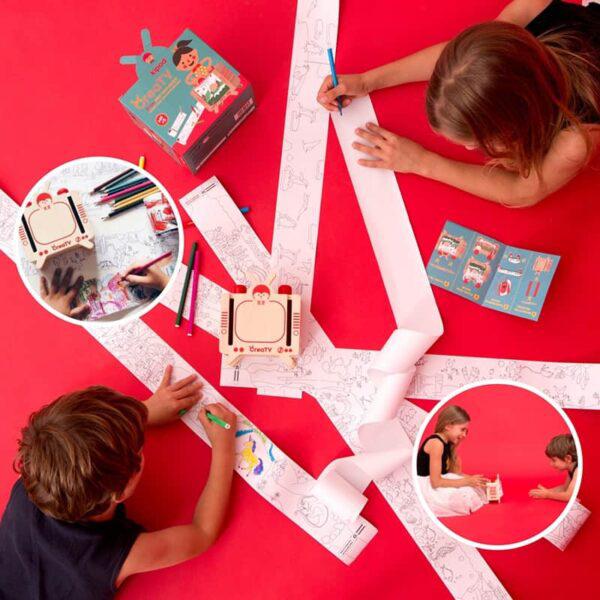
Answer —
(564, 160)
(170, 546)
(435, 449)
(414, 67)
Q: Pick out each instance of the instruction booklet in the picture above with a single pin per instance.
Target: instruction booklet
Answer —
(483, 270)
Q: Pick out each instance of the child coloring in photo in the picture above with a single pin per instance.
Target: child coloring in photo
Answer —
(562, 452)
(65, 533)
(447, 490)
(523, 89)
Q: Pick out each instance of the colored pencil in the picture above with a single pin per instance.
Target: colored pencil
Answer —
(195, 275)
(334, 78)
(124, 186)
(113, 180)
(186, 283)
(122, 209)
(135, 196)
(121, 195)
(217, 420)
(141, 269)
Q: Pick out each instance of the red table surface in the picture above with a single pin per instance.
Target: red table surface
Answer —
(61, 81)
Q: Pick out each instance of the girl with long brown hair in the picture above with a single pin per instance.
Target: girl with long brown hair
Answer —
(524, 89)
(446, 489)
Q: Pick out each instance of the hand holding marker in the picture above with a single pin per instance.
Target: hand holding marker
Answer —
(334, 78)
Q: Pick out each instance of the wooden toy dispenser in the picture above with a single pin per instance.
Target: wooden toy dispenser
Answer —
(54, 223)
(260, 322)
(493, 490)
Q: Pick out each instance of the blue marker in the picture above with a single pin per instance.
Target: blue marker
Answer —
(334, 78)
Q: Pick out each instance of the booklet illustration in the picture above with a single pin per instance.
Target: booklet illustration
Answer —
(508, 279)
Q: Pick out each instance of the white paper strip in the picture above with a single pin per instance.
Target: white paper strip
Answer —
(340, 383)
(562, 535)
(260, 463)
(571, 385)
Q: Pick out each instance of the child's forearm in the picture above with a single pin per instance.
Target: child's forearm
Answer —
(563, 496)
(449, 483)
(494, 184)
(415, 67)
(211, 509)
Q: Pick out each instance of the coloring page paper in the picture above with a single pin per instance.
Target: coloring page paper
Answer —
(9, 213)
(562, 535)
(260, 463)
(477, 267)
(570, 385)
(118, 242)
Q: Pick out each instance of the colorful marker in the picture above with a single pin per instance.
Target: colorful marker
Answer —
(334, 78)
(186, 283)
(195, 275)
(218, 421)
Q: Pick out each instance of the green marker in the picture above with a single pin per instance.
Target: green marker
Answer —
(218, 421)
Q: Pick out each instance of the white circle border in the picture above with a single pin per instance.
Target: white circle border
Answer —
(136, 314)
(537, 536)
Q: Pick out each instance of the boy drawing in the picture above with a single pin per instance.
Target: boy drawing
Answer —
(64, 533)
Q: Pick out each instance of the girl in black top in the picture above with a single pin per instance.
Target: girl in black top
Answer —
(447, 490)
(524, 89)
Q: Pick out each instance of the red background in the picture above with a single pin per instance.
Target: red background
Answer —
(59, 100)
(509, 431)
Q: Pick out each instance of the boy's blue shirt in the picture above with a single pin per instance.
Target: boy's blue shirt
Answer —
(43, 557)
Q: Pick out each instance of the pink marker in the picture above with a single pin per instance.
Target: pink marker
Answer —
(141, 269)
(195, 276)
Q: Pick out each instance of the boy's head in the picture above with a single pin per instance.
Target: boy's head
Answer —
(562, 452)
(83, 452)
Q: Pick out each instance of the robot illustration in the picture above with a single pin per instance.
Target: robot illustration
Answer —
(52, 224)
(260, 322)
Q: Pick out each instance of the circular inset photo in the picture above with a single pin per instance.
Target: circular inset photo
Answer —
(98, 240)
(497, 465)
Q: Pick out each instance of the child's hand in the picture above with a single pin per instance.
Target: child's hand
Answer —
(220, 438)
(348, 88)
(60, 295)
(170, 398)
(539, 492)
(389, 151)
(153, 277)
(477, 481)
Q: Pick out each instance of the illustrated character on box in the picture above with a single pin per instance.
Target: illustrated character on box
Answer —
(451, 246)
(476, 273)
(493, 490)
(486, 247)
(53, 224)
(211, 84)
(155, 73)
(259, 322)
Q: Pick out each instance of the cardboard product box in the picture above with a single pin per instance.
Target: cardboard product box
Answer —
(187, 98)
